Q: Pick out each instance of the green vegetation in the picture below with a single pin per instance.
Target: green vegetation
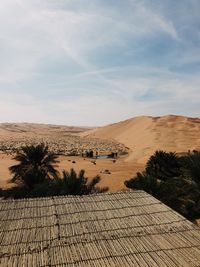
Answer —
(36, 164)
(173, 180)
(158, 165)
(191, 166)
(36, 176)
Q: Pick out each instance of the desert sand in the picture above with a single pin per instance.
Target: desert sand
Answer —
(62, 140)
(119, 171)
(31, 129)
(141, 136)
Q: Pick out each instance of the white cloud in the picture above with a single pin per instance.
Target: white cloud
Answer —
(34, 33)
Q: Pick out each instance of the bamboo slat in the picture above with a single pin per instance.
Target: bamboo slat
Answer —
(112, 229)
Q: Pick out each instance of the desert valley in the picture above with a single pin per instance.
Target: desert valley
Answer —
(134, 139)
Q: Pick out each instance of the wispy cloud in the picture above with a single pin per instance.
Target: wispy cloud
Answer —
(95, 62)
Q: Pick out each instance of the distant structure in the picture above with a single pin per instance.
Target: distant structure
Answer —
(119, 229)
(89, 153)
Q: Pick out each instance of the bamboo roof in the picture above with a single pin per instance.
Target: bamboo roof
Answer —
(118, 229)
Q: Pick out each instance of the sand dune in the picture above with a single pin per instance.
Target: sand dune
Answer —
(143, 135)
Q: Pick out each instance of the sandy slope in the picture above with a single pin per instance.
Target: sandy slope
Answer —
(143, 135)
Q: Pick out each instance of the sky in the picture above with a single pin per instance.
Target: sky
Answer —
(94, 62)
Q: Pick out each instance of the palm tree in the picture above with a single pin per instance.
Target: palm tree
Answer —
(174, 181)
(163, 165)
(72, 183)
(143, 181)
(191, 166)
(182, 195)
(36, 164)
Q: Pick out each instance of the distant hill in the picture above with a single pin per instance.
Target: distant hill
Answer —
(145, 134)
(142, 135)
(31, 129)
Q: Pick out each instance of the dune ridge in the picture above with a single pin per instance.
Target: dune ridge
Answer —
(39, 129)
(145, 134)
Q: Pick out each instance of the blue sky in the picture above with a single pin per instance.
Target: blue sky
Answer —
(93, 62)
